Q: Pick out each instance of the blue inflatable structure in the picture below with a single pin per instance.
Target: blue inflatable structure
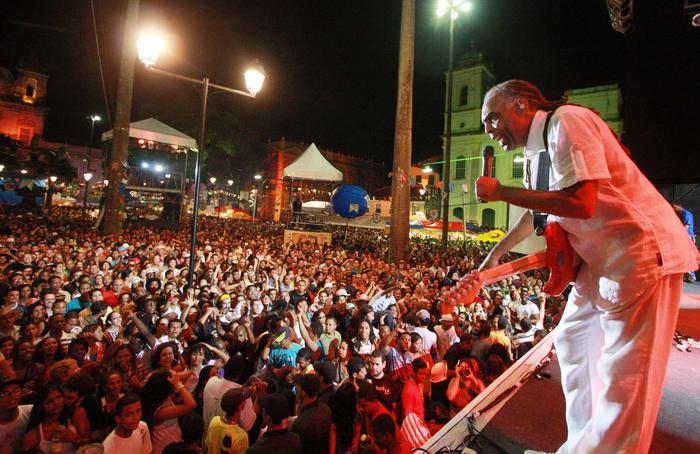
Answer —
(350, 201)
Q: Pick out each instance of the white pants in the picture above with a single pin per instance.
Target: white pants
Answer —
(613, 360)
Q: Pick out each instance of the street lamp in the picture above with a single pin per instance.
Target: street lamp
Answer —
(2, 167)
(254, 192)
(87, 176)
(93, 118)
(453, 8)
(212, 179)
(149, 47)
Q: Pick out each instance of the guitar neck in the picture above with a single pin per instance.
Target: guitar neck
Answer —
(527, 263)
(466, 296)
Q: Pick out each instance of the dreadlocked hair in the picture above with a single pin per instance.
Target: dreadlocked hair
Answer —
(522, 89)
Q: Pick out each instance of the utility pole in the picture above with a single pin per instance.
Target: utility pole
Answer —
(116, 172)
(401, 179)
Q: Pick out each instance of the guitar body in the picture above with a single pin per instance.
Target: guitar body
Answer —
(559, 257)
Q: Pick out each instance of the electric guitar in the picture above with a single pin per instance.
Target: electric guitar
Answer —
(558, 256)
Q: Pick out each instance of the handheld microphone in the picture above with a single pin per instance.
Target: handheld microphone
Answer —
(487, 153)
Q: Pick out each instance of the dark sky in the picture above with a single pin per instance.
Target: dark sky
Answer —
(332, 65)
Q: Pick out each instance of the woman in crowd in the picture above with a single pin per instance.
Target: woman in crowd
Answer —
(111, 387)
(38, 315)
(48, 351)
(27, 369)
(26, 295)
(49, 429)
(29, 332)
(159, 409)
(132, 371)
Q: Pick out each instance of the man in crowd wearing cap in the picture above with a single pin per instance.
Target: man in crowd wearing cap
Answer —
(429, 337)
(314, 420)
(13, 417)
(277, 439)
(224, 434)
(445, 334)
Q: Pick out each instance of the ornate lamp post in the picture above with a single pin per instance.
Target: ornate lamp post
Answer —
(149, 47)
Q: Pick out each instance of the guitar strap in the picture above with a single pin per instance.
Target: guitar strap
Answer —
(539, 220)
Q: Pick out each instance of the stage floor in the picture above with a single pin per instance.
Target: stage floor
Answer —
(534, 417)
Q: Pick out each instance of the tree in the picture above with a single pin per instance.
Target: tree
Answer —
(401, 178)
(38, 161)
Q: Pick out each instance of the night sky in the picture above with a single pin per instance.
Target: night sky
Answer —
(332, 66)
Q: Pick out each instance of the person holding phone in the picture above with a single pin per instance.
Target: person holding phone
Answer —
(464, 387)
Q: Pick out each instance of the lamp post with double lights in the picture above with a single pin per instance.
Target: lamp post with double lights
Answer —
(452, 8)
(149, 47)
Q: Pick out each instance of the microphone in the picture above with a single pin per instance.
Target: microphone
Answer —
(487, 153)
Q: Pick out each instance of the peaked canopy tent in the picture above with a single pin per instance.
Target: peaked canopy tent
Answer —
(157, 131)
(311, 165)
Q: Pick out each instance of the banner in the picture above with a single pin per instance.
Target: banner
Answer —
(300, 236)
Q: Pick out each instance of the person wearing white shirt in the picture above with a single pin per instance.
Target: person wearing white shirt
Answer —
(215, 389)
(612, 341)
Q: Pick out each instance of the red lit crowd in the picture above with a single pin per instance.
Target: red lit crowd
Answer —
(274, 348)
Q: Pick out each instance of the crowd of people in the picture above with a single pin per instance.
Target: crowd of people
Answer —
(275, 347)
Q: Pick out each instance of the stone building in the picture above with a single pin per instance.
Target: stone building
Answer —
(22, 103)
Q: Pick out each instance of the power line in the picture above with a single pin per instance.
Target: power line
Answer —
(99, 62)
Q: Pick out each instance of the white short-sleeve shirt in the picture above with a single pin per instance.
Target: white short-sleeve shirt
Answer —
(634, 236)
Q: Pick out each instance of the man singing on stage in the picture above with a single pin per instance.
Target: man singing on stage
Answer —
(614, 338)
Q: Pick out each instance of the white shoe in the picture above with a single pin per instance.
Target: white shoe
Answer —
(531, 451)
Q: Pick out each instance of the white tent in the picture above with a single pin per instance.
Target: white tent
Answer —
(311, 165)
(157, 131)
